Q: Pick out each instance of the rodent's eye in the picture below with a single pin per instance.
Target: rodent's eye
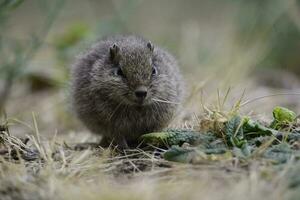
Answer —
(118, 72)
(154, 71)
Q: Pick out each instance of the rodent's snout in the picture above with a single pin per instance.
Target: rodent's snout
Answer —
(141, 93)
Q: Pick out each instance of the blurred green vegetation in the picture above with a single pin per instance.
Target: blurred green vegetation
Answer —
(15, 54)
(204, 35)
(275, 23)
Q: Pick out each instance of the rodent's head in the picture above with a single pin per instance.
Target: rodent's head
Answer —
(131, 74)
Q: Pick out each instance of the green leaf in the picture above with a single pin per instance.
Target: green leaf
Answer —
(254, 129)
(233, 127)
(195, 155)
(282, 114)
(234, 132)
(282, 117)
(281, 153)
(156, 138)
(178, 154)
(173, 137)
(71, 36)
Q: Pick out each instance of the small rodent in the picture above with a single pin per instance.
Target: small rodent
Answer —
(123, 87)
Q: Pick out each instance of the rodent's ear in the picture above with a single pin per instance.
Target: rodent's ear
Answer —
(114, 52)
(150, 46)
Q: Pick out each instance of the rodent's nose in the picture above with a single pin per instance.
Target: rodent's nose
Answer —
(141, 92)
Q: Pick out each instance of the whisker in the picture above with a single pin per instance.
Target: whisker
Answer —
(158, 108)
(164, 101)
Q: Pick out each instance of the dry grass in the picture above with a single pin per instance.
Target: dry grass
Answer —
(63, 173)
(46, 165)
(42, 167)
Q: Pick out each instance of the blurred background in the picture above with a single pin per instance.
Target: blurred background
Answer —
(248, 47)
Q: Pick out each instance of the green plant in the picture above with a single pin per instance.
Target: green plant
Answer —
(15, 54)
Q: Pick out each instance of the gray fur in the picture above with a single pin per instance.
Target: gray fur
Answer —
(105, 102)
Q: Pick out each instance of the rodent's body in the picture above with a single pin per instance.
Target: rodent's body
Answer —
(124, 87)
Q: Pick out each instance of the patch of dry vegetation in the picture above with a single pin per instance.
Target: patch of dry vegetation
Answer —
(37, 163)
(36, 167)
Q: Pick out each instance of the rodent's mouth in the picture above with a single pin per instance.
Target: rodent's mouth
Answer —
(141, 102)
(131, 100)
(138, 102)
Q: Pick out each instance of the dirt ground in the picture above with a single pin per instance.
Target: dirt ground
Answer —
(240, 52)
